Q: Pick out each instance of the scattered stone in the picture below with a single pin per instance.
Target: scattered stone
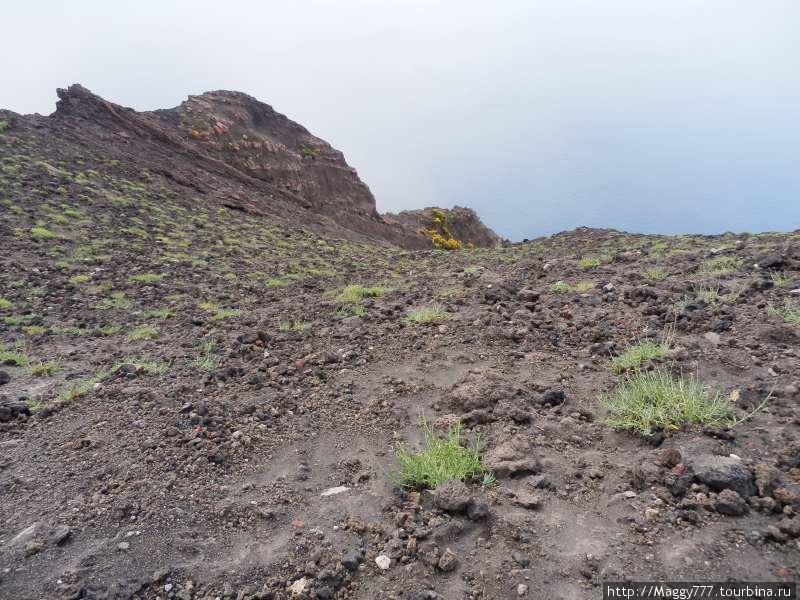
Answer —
(773, 533)
(11, 409)
(729, 502)
(446, 422)
(299, 587)
(787, 495)
(427, 595)
(669, 457)
(765, 476)
(334, 491)
(448, 561)
(538, 482)
(551, 397)
(452, 496)
(511, 458)
(60, 534)
(477, 510)
(724, 472)
(522, 589)
(394, 548)
(526, 499)
(528, 295)
(26, 535)
(351, 559)
(383, 562)
(790, 527)
(521, 559)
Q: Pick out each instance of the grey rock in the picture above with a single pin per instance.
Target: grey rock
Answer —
(477, 510)
(511, 458)
(538, 482)
(522, 560)
(351, 559)
(427, 595)
(448, 561)
(724, 472)
(452, 496)
(765, 476)
(60, 535)
(526, 499)
(394, 548)
(528, 295)
(790, 527)
(729, 502)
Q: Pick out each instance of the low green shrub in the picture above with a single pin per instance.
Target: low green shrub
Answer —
(647, 402)
(442, 459)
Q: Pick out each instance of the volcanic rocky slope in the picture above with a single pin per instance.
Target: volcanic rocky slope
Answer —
(228, 148)
(190, 408)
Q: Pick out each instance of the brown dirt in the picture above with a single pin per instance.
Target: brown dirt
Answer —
(210, 387)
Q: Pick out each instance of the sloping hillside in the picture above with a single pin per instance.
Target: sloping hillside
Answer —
(203, 393)
(222, 148)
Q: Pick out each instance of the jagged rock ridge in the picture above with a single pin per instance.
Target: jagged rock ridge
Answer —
(229, 147)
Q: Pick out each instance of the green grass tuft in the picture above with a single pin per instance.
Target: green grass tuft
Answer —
(276, 283)
(117, 301)
(224, 313)
(655, 274)
(44, 369)
(285, 325)
(780, 279)
(6, 304)
(161, 313)
(589, 262)
(722, 265)
(75, 390)
(13, 357)
(146, 332)
(79, 279)
(355, 293)
(148, 366)
(584, 286)
(110, 329)
(636, 355)
(427, 315)
(647, 402)
(208, 305)
(206, 362)
(788, 311)
(146, 278)
(42, 234)
(442, 459)
(560, 287)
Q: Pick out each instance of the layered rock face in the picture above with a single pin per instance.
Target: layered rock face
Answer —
(250, 136)
(463, 223)
(228, 147)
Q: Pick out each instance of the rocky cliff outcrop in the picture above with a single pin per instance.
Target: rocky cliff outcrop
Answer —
(463, 224)
(228, 147)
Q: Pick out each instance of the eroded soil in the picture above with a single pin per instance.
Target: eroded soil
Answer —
(193, 386)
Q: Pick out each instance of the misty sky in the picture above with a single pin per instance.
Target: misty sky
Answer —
(644, 115)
